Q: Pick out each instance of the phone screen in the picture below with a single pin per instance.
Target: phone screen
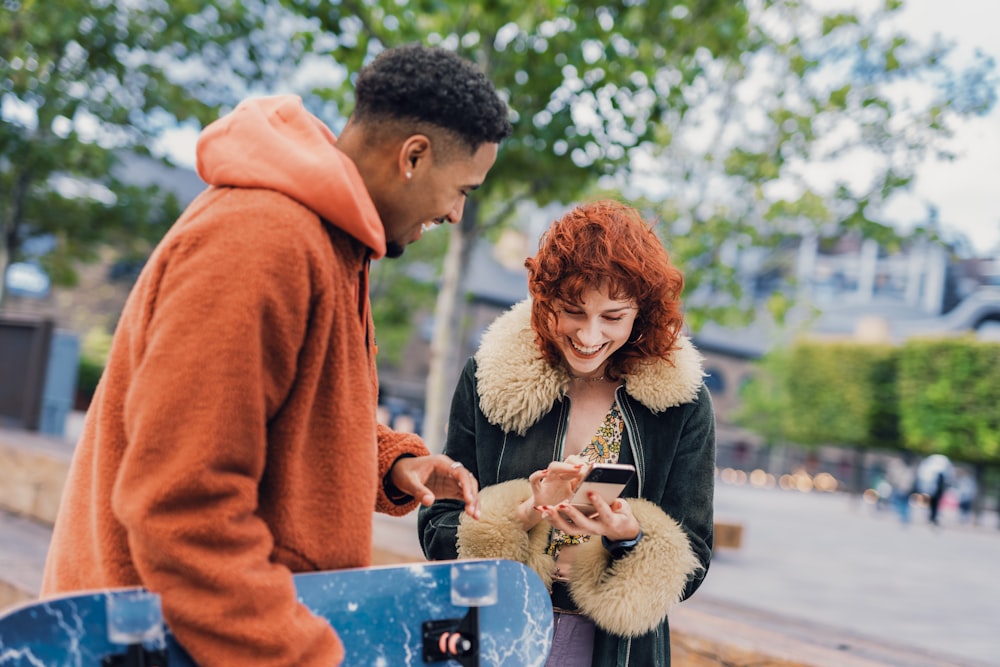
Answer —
(606, 479)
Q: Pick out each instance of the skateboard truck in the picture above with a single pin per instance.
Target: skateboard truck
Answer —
(135, 621)
(473, 585)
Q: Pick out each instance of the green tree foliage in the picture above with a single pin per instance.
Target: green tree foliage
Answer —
(764, 400)
(587, 82)
(82, 80)
(817, 393)
(949, 394)
(928, 396)
(401, 288)
(818, 125)
(94, 350)
(709, 110)
(842, 393)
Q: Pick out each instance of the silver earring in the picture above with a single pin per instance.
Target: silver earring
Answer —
(409, 175)
(633, 342)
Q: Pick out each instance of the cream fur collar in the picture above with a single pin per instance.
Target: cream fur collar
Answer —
(517, 387)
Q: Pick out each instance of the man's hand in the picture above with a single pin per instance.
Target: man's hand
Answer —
(427, 478)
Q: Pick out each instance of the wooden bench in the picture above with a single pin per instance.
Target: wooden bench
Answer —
(728, 535)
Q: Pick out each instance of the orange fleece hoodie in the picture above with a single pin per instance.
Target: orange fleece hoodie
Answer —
(233, 438)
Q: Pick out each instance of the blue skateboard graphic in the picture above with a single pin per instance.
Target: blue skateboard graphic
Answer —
(474, 613)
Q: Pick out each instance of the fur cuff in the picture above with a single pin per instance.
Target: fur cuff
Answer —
(631, 596)
(498, 533)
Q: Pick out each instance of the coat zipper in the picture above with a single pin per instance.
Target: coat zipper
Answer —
(633, 442)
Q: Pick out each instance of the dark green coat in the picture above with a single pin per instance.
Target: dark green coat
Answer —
(507, 419)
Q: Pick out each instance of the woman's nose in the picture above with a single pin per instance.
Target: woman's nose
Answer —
(590, 333)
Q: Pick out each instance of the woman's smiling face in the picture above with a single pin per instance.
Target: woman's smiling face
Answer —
(589, 332)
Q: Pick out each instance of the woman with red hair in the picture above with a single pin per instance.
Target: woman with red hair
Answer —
(593, 368)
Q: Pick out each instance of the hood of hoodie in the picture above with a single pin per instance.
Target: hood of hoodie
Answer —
(274, 143)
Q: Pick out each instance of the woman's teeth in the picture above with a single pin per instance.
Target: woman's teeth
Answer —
(586, 350)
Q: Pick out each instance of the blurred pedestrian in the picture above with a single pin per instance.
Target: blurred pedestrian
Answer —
(933, 477)
(966, 490)
(902, 478)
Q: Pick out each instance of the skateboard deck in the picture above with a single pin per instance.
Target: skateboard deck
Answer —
(469, 613)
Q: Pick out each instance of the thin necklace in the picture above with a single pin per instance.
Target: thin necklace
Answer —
(575, 377)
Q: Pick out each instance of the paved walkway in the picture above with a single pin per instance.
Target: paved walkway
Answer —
(835, 561)
(833, 572)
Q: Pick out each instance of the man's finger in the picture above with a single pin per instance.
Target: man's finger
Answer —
(470, 491)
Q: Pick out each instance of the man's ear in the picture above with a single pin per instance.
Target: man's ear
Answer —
(414, 154)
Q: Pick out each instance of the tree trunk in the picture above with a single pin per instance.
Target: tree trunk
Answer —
(446, 341)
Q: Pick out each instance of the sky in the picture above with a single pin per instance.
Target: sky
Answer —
(966, 191)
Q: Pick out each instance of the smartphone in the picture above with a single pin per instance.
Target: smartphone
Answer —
(607, 480)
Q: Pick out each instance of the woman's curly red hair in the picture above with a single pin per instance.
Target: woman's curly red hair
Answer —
(607, 243)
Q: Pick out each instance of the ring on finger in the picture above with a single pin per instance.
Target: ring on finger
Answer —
(456, 465)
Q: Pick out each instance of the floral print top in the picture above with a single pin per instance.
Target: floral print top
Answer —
(603, 448)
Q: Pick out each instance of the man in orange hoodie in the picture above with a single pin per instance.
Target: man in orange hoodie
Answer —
(233, 438)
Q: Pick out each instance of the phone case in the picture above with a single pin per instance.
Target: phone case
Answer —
(606, 479)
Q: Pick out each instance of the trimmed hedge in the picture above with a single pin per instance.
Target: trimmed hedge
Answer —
(950, 398)
(926, 395)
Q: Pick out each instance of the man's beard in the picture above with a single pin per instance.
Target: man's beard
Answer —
(394, 249)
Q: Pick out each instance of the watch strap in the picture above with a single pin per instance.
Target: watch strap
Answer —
(619, 548)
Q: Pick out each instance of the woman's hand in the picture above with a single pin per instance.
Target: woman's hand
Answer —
(556, 483)
(614, 521)
(550, 486)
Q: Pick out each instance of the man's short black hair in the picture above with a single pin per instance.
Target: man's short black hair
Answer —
(432, 85)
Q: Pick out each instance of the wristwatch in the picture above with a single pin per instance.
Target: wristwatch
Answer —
(620, 547)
